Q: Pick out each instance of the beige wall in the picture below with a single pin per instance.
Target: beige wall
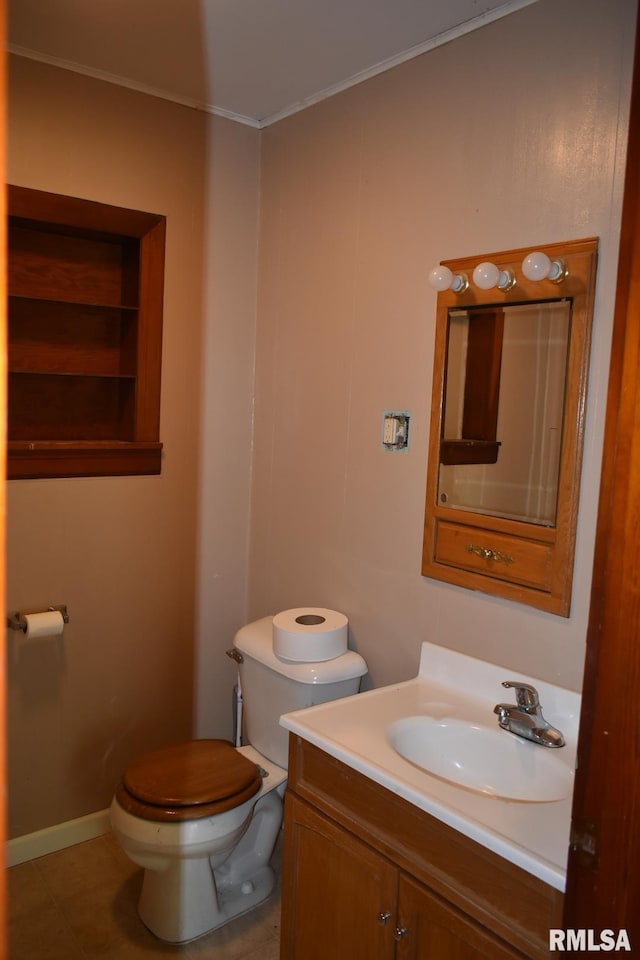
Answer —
(227, 413)
(513, 135)
(122, 552)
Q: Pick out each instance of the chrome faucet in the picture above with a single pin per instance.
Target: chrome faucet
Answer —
(524, 718)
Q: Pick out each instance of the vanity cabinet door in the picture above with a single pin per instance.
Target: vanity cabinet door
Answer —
(338, 895)
(429, 928)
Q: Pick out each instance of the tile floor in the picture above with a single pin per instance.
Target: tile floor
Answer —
(80, 904)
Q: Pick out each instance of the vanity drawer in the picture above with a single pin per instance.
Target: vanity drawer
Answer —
(525, 562)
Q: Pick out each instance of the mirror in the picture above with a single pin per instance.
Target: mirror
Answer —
(500, 452)
(507, 424)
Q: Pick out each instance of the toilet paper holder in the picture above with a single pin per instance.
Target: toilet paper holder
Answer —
(15, 621)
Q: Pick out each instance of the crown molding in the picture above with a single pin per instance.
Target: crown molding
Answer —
(461, 30)
(120, 81)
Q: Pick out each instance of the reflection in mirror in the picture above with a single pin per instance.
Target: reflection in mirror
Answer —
(511, 359)
(502, 421)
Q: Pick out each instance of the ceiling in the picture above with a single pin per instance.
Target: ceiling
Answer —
(253, 60)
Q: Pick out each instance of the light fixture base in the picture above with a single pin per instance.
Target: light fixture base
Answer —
(507, 280)
(460, 283)
(559, 270)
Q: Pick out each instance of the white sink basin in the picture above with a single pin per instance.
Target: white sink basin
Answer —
(487, 761)
(408, 737)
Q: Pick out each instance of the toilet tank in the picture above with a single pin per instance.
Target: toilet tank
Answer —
(271, 686)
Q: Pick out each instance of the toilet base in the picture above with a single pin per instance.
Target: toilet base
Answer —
(184, 910)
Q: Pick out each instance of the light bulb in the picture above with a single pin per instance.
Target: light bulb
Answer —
(538, 266)
(442, 278)
(487, 275)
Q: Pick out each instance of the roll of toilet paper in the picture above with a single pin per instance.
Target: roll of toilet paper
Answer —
(38, 625)
(310, 634)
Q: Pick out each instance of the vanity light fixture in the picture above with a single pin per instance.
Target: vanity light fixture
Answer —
(538, 266)
(442, 278)
(487, 275)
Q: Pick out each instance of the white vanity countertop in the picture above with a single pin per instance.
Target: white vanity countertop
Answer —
(532, 835)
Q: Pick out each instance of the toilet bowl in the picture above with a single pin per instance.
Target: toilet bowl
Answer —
(202, 868)
(203, 817)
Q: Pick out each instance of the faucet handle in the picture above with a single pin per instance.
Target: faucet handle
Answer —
(526, 695)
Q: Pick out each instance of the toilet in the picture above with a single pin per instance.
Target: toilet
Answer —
(202, 817)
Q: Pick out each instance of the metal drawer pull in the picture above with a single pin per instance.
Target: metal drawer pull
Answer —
(399, 933)
(486, 553)
(383, 917)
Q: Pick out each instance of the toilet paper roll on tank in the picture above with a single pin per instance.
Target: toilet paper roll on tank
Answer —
(310, 634)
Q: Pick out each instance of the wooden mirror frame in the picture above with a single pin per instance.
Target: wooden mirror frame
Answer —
(517, 560)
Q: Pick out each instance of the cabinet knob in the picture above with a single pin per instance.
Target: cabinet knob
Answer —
(383, 917)
(399, 933)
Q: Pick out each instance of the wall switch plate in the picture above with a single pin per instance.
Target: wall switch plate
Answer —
(395, 430)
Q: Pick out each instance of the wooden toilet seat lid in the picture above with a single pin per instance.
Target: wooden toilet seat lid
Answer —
(193, 773)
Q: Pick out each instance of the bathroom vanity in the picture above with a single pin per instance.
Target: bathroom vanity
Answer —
(383, 859)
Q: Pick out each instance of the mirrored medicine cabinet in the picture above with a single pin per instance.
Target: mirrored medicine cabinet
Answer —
(507, 422)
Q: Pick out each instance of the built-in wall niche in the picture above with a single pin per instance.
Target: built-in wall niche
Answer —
(85, 285)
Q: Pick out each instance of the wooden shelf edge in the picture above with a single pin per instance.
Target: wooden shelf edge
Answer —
(69, 374)
(40, 460)
(453, 452)
(97, 305)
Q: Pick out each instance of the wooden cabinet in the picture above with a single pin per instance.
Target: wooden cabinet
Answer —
(85, 283)
(507, 427)
(349, 901)
(367, 874)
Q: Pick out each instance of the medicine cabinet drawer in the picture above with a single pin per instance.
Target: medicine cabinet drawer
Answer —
(496, 555)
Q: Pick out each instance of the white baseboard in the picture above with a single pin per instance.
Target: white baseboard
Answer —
(62, 835)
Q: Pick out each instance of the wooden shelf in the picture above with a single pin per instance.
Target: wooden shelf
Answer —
(88, 340)
(85, 335)
(40, 460)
